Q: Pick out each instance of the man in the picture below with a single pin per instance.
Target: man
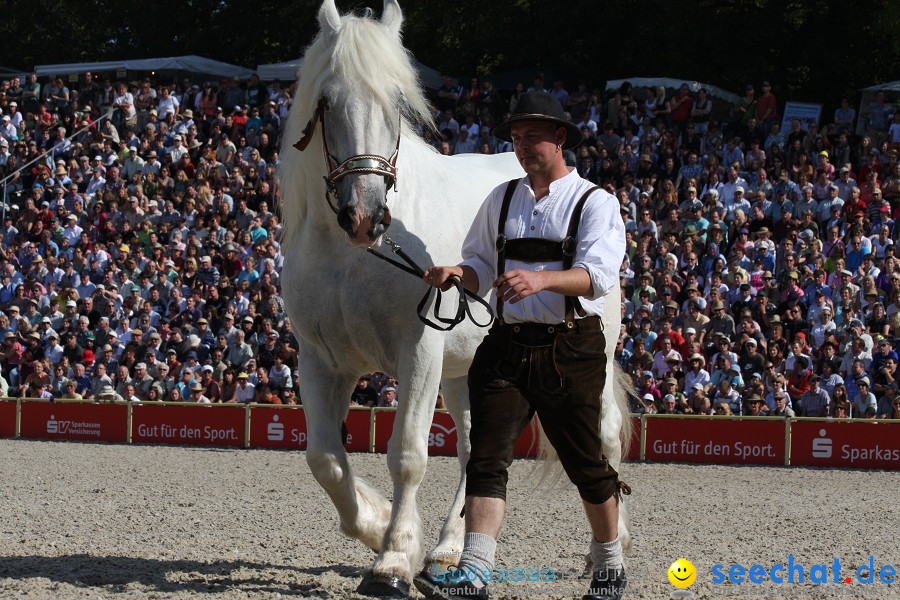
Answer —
(815, 401)
(538, 307)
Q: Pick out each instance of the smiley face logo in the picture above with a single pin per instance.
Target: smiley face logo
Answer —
(682, 573)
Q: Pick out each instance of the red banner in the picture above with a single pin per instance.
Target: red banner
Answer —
(442, 437)
(715, 441)
(527, 444)
(7, 419)
(859, 444)
(277, 428)
(199, 425)
(75, 421)
(384, 427)
(356, 431)
(634, 449)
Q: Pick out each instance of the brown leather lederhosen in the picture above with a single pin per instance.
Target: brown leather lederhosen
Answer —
(555, 370)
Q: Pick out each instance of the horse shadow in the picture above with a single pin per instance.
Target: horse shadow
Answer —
(119, 574)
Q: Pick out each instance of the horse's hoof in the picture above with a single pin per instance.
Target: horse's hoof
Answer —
(383, 586)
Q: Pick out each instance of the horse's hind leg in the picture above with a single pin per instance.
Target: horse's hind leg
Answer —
(402, 551)
(450, 544)
(364, 513)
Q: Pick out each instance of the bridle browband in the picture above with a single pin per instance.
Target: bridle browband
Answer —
(387, 168)
(355, 165)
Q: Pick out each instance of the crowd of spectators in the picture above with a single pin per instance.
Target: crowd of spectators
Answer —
(141, 258)
(140, 242)
(760, 276)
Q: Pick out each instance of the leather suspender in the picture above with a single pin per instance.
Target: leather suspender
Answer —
(540, 250)
(570, 244)
(501, 239)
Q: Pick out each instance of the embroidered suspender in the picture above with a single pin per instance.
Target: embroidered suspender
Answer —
(540, 249)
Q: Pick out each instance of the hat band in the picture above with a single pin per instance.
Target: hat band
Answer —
(530, 116)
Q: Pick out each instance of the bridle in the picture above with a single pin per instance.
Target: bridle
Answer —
(358, 164)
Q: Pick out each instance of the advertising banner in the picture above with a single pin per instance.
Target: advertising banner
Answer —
(859, 445)
(384, 426)
(75, 421)
(356, 431)
(196, 425)
(634, 449)
(715, 441)
(528, 442)
(7, 419)
(277, 428)
(441, 437)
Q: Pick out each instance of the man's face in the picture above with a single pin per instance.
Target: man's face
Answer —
(535, 144)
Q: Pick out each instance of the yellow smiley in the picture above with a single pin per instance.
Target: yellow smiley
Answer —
(682, 573)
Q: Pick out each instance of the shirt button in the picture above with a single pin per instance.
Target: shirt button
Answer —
(532, 227)
(534, 213)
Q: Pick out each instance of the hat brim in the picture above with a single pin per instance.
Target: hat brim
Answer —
(573, 133)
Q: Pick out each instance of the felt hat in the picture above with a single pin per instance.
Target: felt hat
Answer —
(540, 106)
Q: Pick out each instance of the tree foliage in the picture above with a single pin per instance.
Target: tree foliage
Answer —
(809, 49)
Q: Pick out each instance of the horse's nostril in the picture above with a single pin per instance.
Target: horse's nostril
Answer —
(345, 220)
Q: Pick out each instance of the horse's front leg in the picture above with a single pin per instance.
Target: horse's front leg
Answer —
(402, 551)
(364, 513)
(449, 548)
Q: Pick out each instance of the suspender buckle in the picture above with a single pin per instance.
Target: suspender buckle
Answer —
(568, 246)
(501, 242)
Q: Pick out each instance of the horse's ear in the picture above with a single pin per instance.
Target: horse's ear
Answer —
(392, 17)
(329, 17)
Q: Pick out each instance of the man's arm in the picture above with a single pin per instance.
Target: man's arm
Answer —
(439, 277)
(513, 286)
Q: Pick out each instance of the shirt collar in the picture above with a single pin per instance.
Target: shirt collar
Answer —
(556, 185)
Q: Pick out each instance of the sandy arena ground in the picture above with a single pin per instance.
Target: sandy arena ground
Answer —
(103, 521)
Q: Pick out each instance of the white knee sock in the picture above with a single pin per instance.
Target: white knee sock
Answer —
(607, 555)
(478, 557)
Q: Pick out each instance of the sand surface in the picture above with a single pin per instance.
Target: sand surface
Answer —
(104, 521)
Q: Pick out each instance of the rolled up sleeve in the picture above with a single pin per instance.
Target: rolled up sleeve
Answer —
(601, 243)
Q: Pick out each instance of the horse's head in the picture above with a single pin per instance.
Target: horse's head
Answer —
(362, 105)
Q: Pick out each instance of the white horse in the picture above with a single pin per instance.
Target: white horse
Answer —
(352, 313)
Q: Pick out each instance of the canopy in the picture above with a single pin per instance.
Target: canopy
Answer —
(889, 86)
(7, 72)
(868, 97)
(189, 63)
(287, 71)
(645, 82)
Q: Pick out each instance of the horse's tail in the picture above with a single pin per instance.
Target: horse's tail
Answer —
(623, 391)
(550, 471)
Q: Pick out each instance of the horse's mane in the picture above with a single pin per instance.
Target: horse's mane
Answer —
(365, 57)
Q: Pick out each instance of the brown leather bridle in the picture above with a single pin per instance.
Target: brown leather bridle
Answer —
(355, 165)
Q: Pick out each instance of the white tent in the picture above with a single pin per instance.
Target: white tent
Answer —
(890, 86)
(189, 63)
(867, 99)
(287, 71)
(645, 82)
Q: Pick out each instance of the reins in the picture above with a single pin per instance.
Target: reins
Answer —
(387, 167)
(462, 308)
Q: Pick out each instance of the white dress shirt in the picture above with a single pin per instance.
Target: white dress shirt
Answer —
(599, 251)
